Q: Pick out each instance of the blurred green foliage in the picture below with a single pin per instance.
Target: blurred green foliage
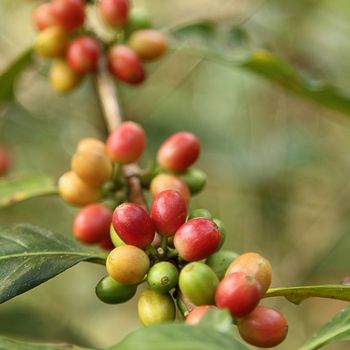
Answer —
(278, 166)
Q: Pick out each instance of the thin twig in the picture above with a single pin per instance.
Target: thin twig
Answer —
(108, 96)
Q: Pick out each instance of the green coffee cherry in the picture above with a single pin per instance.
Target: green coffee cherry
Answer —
(220, 261)
(163, 276)
(138, 19)
(198, 283)
(222, 231)
(112, 292)
(195, 179)
(200, 213)
(155, 308)
(117, 241)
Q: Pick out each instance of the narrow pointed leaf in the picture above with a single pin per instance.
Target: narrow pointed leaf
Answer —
(178, 337)
(20, 188)
(335, 330)
(297, 294)
(30, 255)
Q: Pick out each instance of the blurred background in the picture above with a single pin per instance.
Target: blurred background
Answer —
(278, 166)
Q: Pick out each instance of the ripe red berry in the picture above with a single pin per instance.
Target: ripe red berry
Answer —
(106, 243)
(43, 17)
(133, 224)
(83, 54)
(114, 12)
(92, 223)
(70, 14)
(126, 143)
(197, 239)
(168, 212)
(179, 151)
(5, 161)
(264, 327)
(196, 315)
(125, 65)
(238, 292)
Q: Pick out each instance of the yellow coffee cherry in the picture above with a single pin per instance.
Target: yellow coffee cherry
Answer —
(91, 144)
(62, 77)
(75, 191)
(92, 166)
(127, 264)
(51, 42)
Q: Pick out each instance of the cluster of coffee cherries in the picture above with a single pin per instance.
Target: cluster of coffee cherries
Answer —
(5, 160)
(77, 51)
(174, 251)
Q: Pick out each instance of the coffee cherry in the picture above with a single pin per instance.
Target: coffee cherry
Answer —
(43, 17)
(220, 261)
(195, 179)
(69, 14)
(238, 292)
(178, 152)
(83, 54)
(155, 308)
(110, 291)
(5, 161)
(106, 244)
(264, 327)
(198, 283)
(91, 144)
(75, 191)
(220, 225)
(126, 143)
(125, 65)
(51, 42)
(163, 276)
(139, 18)
(200, 213)
(163, 182)
(197, 239)
(127, 264)
(168, 212)
(114, 12)
(62, 77)
(92, 223)
(133, 224)
(93, 167)
(148, 44)
(254, 265)
(196, 315)
(117, 241)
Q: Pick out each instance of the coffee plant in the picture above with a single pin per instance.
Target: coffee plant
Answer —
(137, 222)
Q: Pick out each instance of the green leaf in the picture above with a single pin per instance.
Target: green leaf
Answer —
(219, 44)
(18, 189)
(9, 344)
(297, 294)
(178, 337)
(10, 73)
(335, 330)
(220, 320)
(31, 255)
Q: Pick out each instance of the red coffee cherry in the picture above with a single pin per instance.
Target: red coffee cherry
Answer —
(70, 14)
(133, 224)
(92, 223)
(83, 54)
(163, 182)
(149, 44)
(43, 17)
(126, 65)
(126, 143)
(264, 327)
(106, 244)
(238, 292)
(254, 265)
(197, 239)
(196, 315)
(114, 12)
(168, 212)
(5, 161)
(179, 151)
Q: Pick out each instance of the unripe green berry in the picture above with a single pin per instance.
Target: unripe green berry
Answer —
(163, 276)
